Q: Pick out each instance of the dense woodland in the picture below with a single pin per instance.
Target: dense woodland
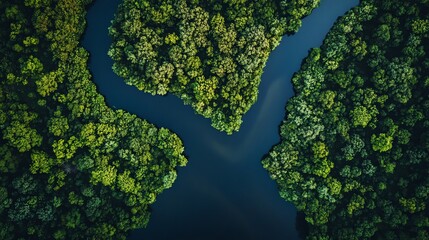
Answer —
(354, 150)
(70, 167)
(209, 53)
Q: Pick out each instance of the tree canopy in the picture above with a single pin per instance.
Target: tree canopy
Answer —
(70, 167)
(353, 156)
(208, 53)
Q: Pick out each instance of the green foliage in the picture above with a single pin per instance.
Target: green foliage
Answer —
(208, 53)
(320, 150)
(40, 162)
(106, 175)
(70, 167)
(360, 116)
(382, 142)
(22, 136)
(354, 147)
(58, 126)
(420, 26)
(49, 83)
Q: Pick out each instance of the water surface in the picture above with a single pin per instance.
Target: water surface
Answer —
(223, 192)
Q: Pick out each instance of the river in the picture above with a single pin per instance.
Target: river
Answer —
(223, 192)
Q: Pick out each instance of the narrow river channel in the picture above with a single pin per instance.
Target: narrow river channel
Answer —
(223, 192)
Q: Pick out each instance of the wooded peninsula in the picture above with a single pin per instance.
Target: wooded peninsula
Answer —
(209, 53)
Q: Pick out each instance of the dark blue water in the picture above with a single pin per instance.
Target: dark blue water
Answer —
(223, 192)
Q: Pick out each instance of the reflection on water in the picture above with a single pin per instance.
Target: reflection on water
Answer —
(223, 193)
(242, 148)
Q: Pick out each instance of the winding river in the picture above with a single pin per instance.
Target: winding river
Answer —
(223, 192)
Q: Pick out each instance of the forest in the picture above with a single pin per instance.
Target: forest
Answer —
(354, 151)
(70, 167)
(209, 53)
(353, 156)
